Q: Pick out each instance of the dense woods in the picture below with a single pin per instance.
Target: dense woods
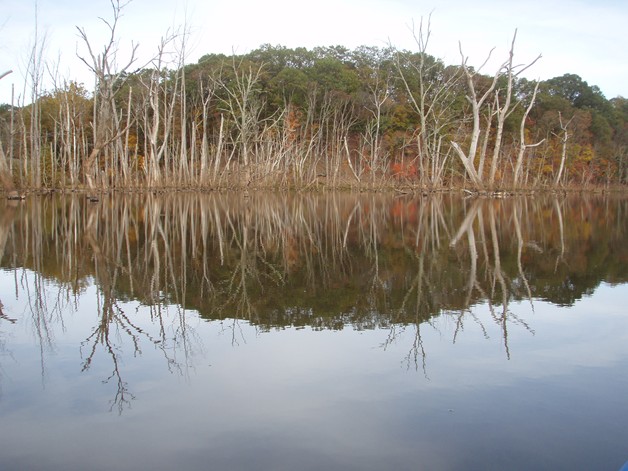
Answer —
(328, 117)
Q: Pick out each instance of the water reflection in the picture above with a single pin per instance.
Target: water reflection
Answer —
(320, 261)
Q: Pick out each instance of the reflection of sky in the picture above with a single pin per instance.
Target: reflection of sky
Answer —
(298, 399)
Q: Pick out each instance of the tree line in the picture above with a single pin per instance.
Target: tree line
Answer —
(327, 117)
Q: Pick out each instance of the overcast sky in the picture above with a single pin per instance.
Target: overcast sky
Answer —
(587, 38)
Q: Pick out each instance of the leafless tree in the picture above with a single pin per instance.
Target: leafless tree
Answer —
(106, 123)
(468, 157)
(565, 135)
(6, 177)
(243, 106)
(522, 140)
(502, 108)
(432, 102)
(160, 97)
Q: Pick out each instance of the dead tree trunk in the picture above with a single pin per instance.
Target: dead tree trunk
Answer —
(501, 110)
(506, 110)
(522, 141)
(565, 137)
(161, 101)
(6, 177)
(105, 124)
(468, 158)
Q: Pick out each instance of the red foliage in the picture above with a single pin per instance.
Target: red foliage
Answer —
(403, 170)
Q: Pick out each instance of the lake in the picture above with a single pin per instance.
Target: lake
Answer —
(303, 332)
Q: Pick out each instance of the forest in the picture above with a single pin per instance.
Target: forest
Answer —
(322, 118)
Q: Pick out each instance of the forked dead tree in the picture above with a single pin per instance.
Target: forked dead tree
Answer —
(477, 102)
(564, 139)
(502, 109)
(106, 123)
(511, 71)
(522, 140)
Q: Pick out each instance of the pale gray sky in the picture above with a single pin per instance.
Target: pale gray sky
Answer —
(588, 38)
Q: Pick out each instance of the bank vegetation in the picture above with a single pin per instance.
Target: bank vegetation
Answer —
(330, 117)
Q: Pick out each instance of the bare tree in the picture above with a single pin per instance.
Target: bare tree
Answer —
(34, 78)
(106, 121)
(522, 141)
(468, 158)
(432, 102)
(502, 108)
(564, 138)
(378, 78)
(160, 100)
(512, 71)
(244, 107)
(6, 178)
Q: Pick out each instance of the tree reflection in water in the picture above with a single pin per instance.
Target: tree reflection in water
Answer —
(317, 261)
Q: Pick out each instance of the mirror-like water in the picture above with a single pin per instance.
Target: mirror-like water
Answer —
(313, 332)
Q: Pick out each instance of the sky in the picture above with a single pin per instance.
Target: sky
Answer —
(587, 38)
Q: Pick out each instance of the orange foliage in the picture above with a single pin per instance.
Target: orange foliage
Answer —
(293, 122)
(401, 170)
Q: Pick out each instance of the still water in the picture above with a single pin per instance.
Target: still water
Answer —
(303, 332)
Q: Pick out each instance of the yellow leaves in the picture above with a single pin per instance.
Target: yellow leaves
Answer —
(141, 162)
(586, 153)
(132, 141)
